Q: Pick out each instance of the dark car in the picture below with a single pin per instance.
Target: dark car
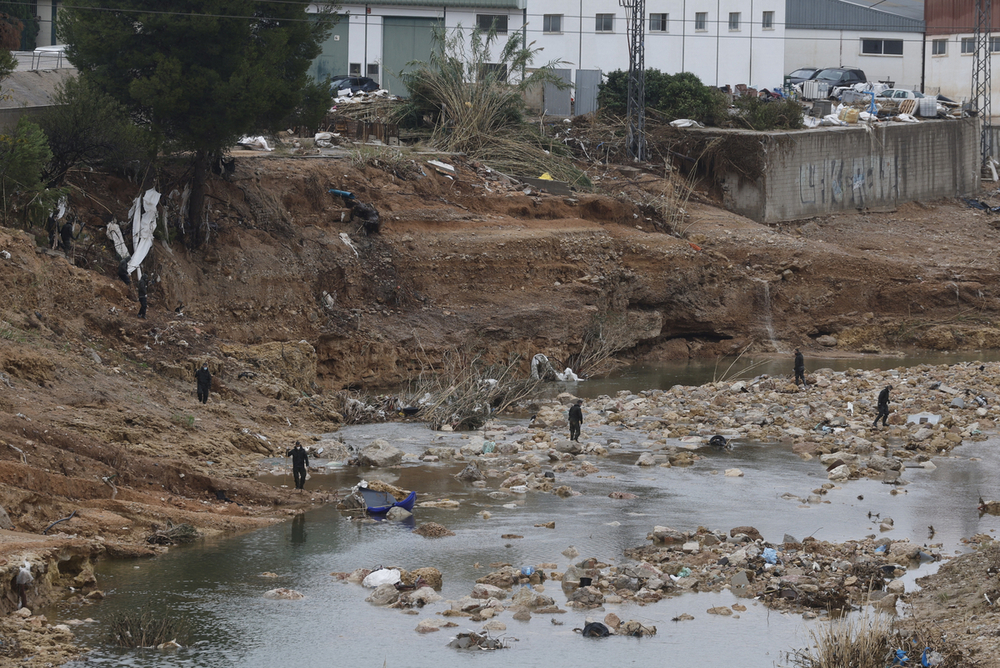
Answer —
(803, 74)
(344, 83)
(841, 76)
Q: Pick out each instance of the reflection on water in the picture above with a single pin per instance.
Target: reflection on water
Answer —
(217, 584)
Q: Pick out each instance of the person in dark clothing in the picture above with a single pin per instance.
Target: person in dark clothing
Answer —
(300, 460)
(123, 271)
(800, 368)
(142, 297)
(204, 378)
(67, 237)
(883, 406)
(575, 420)
(366, 213)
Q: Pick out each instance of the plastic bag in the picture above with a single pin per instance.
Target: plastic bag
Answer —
(770, 555)
(381, 577)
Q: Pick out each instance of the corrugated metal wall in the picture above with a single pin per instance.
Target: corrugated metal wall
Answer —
(950, 17)
(838, 15)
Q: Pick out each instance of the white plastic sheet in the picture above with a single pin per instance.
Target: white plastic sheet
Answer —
(255, 142)
(114, 232)
(143, 226)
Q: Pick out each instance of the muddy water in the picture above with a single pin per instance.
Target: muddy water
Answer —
(216, 585)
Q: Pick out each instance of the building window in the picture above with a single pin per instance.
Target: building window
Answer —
(497, 71)
(659, 22)
(994, 44)
(882, 47)
(767, 21)
(701, 21)
(552, 23)
(968, 45)
(487, 22)
(939, 47)
(354, 69)
(373, 71)
(734, 20)
(605, 23)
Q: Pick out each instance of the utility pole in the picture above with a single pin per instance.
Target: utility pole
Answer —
(982, 83)
(635, 16)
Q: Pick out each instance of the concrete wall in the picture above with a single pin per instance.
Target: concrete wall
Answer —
(823, 171)
(836, 48)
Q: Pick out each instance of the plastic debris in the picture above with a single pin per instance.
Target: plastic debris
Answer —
(770, 555)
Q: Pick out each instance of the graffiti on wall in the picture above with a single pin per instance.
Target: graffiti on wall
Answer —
(855, 182)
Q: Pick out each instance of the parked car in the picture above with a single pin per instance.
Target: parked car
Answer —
(900, 94)
(344, 83)
(841, 76)
(802, 74)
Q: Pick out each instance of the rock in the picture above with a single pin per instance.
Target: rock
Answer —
(612, 621)
(433, 530)
(485, 591)
(691, 547)
(282, 594)
(5, 522)
(667, 536)
(384, 594)
(494, 625)
(738, 386)
(380, 454)
(420, 597)
(529, 598)
(734, 473)
(431, 576)
(646, 459)
(428, 626)
(397, 514)
(471, 473)
(958, 402)
(896, 587)
(887, 603)
(827, 340)
(750, 532)
(842, 472)
(564, 491)
(522, 616)
(720, 610)
(923, 434)
(684, 617)
(571, 552)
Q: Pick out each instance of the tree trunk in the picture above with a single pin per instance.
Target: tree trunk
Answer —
(196, 206)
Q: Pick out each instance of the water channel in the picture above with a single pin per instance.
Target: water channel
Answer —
(217, 587)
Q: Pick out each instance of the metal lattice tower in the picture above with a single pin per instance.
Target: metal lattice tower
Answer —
(635, 17)
(982, 84)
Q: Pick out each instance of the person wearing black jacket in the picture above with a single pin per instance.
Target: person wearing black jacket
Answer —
(300, 460)
(800, 368)
(204, 378)
(883, 406)
(575, 420)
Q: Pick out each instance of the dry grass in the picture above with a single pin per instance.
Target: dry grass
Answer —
(144, 628)
(607, 335)
(468, 391)
(856, 641)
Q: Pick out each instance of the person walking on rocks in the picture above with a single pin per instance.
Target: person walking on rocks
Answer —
(800, 368)
(575, 420)
(204, 378)
(883, 406)
(300, 460)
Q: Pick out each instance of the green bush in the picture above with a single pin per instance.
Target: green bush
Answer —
(681, 95)
(758, 114)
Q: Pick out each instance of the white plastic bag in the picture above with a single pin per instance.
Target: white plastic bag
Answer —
(381, 577)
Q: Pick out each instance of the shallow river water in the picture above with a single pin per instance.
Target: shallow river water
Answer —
(216, 584)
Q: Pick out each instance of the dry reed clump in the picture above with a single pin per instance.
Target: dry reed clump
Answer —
(607, 335)
(145, 628)
(472, 90)
(467, 391)
(877, 640)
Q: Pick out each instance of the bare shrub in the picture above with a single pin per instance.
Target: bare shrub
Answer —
(145, 628)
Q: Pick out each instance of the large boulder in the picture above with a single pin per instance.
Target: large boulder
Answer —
(379, 454)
